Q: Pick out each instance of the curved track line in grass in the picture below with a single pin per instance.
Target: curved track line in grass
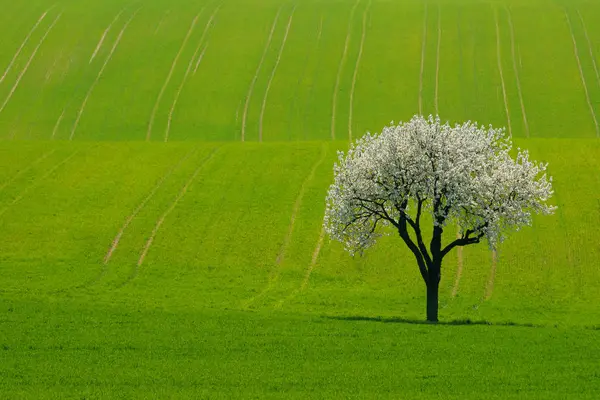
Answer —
(162, 218)
(179, 90)
(37, 182)
(91, 89)
(309, 270)
(489, 289)
(58, 121)
(169, 75)
(514, 60)
(499, 57)
(12, 61)
(585, 88)
(311, 86)
(356, 66)
(275, 272)
(136, 211)
(99, 45)
(437, 59)
(262, 59)
(27, 168)
(340, 68)
(187, 72)
(12, 90)
(162, 20)
(590, 47)
(423, 46)
(297, 205)
(264, 102)
(313, 261)
(208, 24)
(459, 268)
(293, 103)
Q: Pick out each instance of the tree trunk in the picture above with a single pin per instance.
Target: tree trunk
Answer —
(432, 299)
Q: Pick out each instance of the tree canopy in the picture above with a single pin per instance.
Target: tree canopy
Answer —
(462, 174)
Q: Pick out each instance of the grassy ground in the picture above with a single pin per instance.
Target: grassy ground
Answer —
(238, 226)
(116, 70)
(198, 268)
(68, 350)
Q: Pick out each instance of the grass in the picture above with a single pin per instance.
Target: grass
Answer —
(152, 55)
(198, 268)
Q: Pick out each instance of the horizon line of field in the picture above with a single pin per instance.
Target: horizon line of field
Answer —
(190, 179)
(341, 66)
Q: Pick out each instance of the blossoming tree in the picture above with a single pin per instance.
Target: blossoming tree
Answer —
(462, 175)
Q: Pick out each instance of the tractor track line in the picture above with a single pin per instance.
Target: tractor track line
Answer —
(187, 72)
(89, 93)
(297, 205)
(162, 20)
(169, 75)
(585, 88)
(514, 59)
(101, 41)
(276, 272)
(489, 289)
(340, 68)
(12, 61)
(264, 102)
(356, 66)
(12, 91)
(301, 77)
(313, 261)
(178, 93)
(140, 207)
(27, 168)
(255, 78)
(589, 43)
(37, 182)
(311, 87)
(58, 121)
(208, 24)
(162, 218)
(499, 57)
(423, 46)
(437, 59)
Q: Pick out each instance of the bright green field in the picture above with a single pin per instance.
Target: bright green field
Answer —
(488, 61)
(198, 268)
(234, 296)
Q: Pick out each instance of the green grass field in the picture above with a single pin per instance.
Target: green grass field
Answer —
(198, 268)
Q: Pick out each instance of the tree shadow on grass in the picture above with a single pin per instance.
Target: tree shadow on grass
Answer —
(461, 322)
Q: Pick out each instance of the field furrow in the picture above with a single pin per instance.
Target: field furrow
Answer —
(499, 59)
(103, 36)
(356, 66)
(12, 90)
(140, 207)
(37, 182)
(258, 68)
(264, 102)
(169, 76)
(516, 70)
(91, 89)
(27, 168)
(197, 58)
(583, 82)
(590, 47)
(340, 68)
(162, 218)
(16, 55)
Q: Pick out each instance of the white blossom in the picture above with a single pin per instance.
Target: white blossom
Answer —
(462, 174)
